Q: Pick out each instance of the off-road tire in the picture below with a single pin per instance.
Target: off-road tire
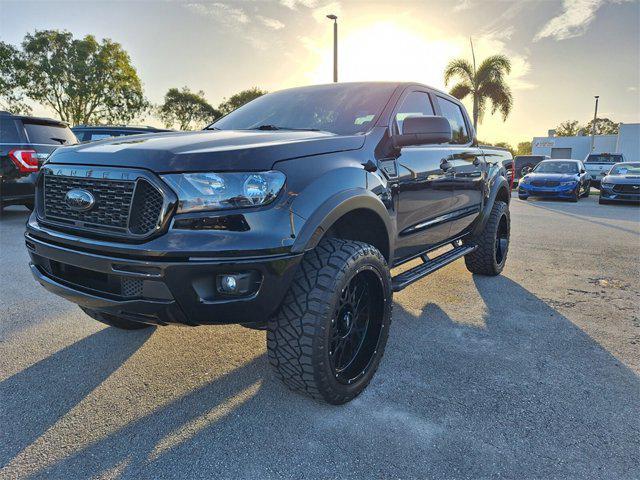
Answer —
(603, 201)
(483, 260)
(298, 335)
(587, 192)
(523, 197)
(114, 320)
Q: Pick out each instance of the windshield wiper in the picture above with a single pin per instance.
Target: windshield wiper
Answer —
(278, 127)
(62, 141)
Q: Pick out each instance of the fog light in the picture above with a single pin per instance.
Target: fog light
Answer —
(228, 283)
(238, 283)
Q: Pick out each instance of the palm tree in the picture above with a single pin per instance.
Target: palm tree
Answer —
(486, 83)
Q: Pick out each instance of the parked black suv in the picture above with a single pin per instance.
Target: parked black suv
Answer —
(285, 215)
(91, 133)
(25, 143)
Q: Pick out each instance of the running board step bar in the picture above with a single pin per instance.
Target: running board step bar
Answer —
(406, 278)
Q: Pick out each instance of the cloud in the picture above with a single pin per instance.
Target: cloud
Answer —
(221, 11)
(574, 20)
(270, 22)
(294, 4)
(462, 5)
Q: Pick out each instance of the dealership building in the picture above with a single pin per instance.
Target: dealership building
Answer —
(627, 142)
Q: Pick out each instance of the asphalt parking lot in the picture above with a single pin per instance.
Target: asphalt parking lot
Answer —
(533, 374)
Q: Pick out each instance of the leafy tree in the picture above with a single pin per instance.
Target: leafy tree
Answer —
(604, 126)
(524, 148)
(568, 128)
(239, 99)
(505, 145)
(82, 80)
(486, 84)
(187, 109)
(11, 95)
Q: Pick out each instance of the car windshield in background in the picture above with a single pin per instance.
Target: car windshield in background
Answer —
(568, 168)
(626, 169)
(341, 109)
(50, 134)
(604, 158)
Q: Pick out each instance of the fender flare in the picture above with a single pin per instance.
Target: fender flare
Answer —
(335, 207)
(498, 184)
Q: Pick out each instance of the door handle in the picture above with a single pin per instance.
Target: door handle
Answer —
(444, 165)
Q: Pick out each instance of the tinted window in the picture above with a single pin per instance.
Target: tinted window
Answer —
(557, 167)
(345, 109)
(604, 158)
(452, 112)
(8, 130)
(626, 169)
(49, 134)
(414, 104)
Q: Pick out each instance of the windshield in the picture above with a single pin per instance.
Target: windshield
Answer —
(604, 158)
(568, 168)
(626, 169)
(49, 134)
(346, 109)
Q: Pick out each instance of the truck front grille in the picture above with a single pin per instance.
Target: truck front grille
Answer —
(130, 208)
(111, 210)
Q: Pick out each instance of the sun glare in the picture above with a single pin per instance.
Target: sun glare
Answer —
(387, 51)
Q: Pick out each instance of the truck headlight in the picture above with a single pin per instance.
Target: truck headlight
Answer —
(225, 190)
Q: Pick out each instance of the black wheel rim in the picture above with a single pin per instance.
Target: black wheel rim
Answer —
(356, 326)
(502, 240)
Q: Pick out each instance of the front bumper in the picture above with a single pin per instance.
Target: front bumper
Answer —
(160, 291)
(557, 192)
(607, 193)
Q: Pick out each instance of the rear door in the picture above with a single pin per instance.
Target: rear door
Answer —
(467, 166)
(422, 187)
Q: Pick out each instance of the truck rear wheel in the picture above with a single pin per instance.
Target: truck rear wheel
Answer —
(493, 243)
(114, 320)
(329, 335)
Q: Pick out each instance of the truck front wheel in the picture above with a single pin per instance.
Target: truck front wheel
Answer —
(493, 243)
(329, 335)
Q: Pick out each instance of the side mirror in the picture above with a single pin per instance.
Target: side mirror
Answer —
(423, 131)
(582, 170)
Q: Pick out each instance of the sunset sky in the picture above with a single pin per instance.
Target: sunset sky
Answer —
(563, 52)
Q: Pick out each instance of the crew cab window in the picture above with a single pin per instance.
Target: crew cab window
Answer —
(452, 112)
(414, 104)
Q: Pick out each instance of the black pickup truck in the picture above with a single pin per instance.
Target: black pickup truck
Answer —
(286, 215)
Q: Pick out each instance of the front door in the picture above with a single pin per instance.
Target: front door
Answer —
(468, 168)
(423, 187)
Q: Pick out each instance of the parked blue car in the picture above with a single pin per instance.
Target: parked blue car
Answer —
(566, 179)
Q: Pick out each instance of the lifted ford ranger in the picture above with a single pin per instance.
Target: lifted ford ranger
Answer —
(286, 215)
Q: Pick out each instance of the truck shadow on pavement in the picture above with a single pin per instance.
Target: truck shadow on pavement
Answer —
(32, 400)
(525, 394)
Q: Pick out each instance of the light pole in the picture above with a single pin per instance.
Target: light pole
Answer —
(335, 46)
(593, 125)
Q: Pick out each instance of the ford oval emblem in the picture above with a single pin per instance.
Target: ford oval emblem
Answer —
(79, 200)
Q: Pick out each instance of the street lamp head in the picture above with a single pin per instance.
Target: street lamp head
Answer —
(596, 96)
(332, 17)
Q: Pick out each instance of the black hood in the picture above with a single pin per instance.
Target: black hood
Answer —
(206, 150)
